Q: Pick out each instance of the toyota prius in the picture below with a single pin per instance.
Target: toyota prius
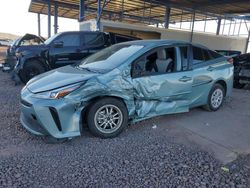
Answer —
(123, 84)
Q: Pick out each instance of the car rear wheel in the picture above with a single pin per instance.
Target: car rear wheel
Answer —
(107, 117)
(238, 85)
(215, 98)
(30, 70)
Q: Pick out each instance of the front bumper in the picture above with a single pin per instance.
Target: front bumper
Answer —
(57, 118)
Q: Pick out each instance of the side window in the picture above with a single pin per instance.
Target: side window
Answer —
(120, 39)
(184, 58)
(145, 65)
(206, 55)
(160, 61)
(69, 40)
(93, 39)
(197, 55)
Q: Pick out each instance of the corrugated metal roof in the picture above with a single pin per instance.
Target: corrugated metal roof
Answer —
(146, 11)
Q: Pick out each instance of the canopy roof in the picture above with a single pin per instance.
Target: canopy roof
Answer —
(148, 11)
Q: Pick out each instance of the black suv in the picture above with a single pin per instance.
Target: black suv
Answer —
(62, 49)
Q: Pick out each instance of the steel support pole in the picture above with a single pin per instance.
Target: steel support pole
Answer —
(239, 27)
(39, 24)
(229, 31)
(248, 41)
(192, 30)
(81, 11)
(181, 18)
(223, 26)
(99, 10)
(235, 22)
(121, 14)
(218, 26)
(55, 18)
(167, 17)
(49, 18)
(205, 24)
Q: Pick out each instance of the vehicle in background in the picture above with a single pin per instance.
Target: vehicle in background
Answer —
(63, 49)
(229, 52)
(241, 70)
(122, 84)
(26, 40)
(5, 42)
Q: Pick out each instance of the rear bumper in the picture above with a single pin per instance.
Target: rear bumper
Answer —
(244, 76)
(56, 118)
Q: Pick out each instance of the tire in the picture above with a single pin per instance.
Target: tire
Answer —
(238, 85)
(106, 125)
(215, 98)
(31, 69)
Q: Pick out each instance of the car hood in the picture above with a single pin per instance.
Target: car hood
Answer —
(58, 78)
(30, 37)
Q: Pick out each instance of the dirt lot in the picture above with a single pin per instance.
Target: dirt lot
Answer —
(167, 151)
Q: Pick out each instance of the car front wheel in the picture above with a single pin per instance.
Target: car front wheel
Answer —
(30, 70)
(215, 98)
(107, 117)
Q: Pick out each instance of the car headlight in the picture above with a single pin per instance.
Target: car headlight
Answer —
(57, 93)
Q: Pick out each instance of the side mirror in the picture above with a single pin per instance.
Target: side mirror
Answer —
(58, 44)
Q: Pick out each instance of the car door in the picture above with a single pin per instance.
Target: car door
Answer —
(205, 65)
(158, 91)
(65, 50)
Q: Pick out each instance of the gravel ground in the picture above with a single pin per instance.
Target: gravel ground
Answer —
(142, 156)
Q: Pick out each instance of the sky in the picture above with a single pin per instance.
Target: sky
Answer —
(15, 19)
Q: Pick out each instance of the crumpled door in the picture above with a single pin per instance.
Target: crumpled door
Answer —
(162, 94)
(158, 93)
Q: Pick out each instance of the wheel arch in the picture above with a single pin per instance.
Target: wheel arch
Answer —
(42, 61)
(223, 84)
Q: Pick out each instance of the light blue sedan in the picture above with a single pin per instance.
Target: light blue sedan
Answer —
(122, 84)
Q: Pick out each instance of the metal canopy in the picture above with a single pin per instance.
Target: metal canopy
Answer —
(146, 11)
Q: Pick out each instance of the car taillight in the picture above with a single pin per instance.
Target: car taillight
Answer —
(231, 60)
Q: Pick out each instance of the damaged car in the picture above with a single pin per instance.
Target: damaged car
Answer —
(123, 84)
(241, 70)
(27, 40)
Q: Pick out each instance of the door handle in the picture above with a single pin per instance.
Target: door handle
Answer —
(210, 68)
(185, 79)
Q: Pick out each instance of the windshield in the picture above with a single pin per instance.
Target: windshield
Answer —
(15, 42)
(49, 40)
(110, 57)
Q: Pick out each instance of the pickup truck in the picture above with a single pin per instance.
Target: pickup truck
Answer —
(62, 49)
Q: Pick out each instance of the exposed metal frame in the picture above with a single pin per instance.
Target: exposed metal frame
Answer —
(160, 13)
(39, 24)
(55, 18)
(81, 10)
(49, 18)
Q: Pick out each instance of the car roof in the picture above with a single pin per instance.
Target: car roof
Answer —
(156, 42)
